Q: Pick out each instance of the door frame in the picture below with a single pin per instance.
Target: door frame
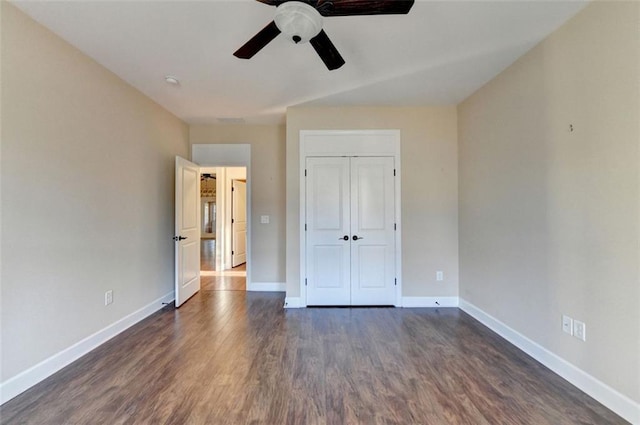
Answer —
(350, 143)
(229, 155)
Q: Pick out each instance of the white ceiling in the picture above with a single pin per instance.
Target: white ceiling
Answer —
(438, 54)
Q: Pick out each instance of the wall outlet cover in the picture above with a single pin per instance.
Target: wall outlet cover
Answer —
(580, 330)
(108, 297)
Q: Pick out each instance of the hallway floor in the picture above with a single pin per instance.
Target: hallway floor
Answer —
(207, 254)
(227, 280)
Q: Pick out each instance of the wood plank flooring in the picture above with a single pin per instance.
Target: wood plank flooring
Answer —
(219, 282)
(232, 357)
(207, 254)
(223, 283)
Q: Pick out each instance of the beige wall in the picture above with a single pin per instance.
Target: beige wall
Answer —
(549, 217)
(267, 190)
(80, 150)
(429, 189)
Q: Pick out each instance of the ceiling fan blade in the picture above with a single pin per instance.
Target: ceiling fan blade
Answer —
(363, 7)
(327, 51)
(272, 2)
(258, 41)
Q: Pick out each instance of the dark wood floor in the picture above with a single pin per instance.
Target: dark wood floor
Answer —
(232, 357)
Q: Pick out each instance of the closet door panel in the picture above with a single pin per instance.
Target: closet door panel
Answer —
(328, 221)
(372, 227)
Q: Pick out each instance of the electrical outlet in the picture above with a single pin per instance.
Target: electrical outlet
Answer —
(439, 276)
(580, 330)
(264, 219)
(567, 324)
(108, 297)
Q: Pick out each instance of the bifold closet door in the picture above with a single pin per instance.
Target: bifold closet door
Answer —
(350, 241)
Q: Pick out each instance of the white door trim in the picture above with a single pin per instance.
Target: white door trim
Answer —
(229, 155)
(350, 143)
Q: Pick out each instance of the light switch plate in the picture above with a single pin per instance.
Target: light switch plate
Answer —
(567, 324)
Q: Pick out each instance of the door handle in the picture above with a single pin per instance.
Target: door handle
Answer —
(355, 237)
(179, 238)
(344, 238)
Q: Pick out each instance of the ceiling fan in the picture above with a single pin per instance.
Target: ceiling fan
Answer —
(301, 21)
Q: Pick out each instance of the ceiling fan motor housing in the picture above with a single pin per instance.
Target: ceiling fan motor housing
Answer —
(298, 21)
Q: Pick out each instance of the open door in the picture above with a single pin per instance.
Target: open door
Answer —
(187, 230)
(238, 222)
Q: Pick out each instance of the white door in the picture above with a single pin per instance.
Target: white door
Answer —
(187, 230)
(350, 241)
(372, 231)
(238, 222)
(328, 232)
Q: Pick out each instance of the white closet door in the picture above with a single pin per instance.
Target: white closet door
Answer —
(328, 222)
(372, 231)
(350, 240)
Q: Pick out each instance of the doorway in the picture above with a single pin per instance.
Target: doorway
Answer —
(223, 228)
(220, 158)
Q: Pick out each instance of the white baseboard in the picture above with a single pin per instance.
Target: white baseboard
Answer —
(267, 286)
(293, 302)
(35, 374)
(412, 302)
(612, 399)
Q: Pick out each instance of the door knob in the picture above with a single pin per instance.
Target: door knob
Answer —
(355, 237)
(179, 238)
(345, 237)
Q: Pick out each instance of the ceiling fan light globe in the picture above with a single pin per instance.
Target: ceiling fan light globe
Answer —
(298, 21)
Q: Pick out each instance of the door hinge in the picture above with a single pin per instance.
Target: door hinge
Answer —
(305, 172)
(305, 227)
(232, 252)
(233, 189)
(395, 281)
(394, 172)
(232, 221)
(305, 281)
(395, 226)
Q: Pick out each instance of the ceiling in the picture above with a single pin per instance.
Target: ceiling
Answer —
(438, 54)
